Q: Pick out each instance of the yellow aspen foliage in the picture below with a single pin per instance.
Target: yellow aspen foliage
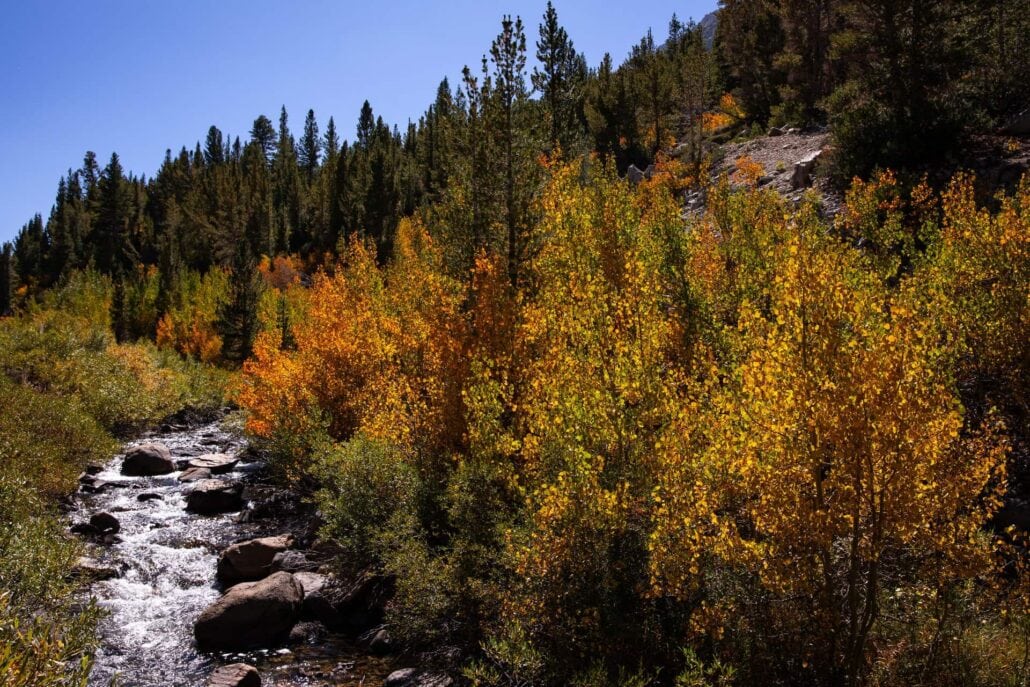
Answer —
(598, 382)
(189, 324)
(834, 450)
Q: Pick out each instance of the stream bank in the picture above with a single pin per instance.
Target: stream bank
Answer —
(154, 564)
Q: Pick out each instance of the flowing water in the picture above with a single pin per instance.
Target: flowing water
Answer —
(166, 558)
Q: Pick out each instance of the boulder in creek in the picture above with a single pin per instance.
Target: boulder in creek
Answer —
(105, 523)
(410, 677)
(217, 463)
(293, 561)
(235, 675)
(211, 496)
(251, 615)
(148, 496)
(194, 474)
(350, 609)
(148, 459)
(251, 560)
(92, 570)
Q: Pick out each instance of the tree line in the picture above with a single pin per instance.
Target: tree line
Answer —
(473, 155)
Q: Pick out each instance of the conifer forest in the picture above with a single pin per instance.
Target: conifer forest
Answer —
(704, 365)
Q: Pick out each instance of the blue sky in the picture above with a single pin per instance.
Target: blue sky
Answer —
(138, 77)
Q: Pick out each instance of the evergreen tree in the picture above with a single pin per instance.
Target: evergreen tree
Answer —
(214, 147)
(112, 247)
(309, 146)
(748, 37)
(654, 90)
(237, 315)
(331, 144)
(560, 80)
(263, 134)
(6, 278)
(508, 54)
(366, 126)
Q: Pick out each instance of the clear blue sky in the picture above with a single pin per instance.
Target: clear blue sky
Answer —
(137, 77)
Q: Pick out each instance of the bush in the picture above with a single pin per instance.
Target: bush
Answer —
(366, 485)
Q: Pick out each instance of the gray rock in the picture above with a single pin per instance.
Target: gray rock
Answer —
(217, 463)
(211, 496)
(90, 569)
(802, 175)
(774, 131)
(194, 474)
(251, 615)
(251, 560)
(148, 459)
(401, 678)
(634, 174)
(235, 675)
(380, 644)
(409, 677)
(293, 561)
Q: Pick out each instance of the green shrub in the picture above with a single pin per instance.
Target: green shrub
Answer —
(366, 484)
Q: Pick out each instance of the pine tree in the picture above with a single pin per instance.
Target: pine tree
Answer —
(560, 79)
(6, 278)
(263, 133)
(112, 247)
(508, 54)
(237, 315)
(654, 87)
(214, 147)
(748, 37)
(366, 126)
(308, 155)
(331, 144)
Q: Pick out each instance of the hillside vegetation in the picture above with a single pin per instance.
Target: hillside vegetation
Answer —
(593, 438)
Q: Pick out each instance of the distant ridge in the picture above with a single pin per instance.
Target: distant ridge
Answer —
(708, 25)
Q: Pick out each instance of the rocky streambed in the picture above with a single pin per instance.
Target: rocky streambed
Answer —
(188, 592)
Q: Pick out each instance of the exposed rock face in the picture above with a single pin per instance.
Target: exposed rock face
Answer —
(147, 460)
(211, 496)
(217, 463)
(251, 560)
(251, 615)
(235, 675)
(194, 474)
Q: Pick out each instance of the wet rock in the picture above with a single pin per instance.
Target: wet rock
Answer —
(235, 675)
(306, 632)
(105, 523)
(148, 496)
(251, 560)
(410, 677)
(251, 615)
(194, 474)
(93, 469)
(217, 463)
(350, 609)
(401, 678)
(148, 459)
(293, 562)
(90, 569)
(380, 644)
(211, 496)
